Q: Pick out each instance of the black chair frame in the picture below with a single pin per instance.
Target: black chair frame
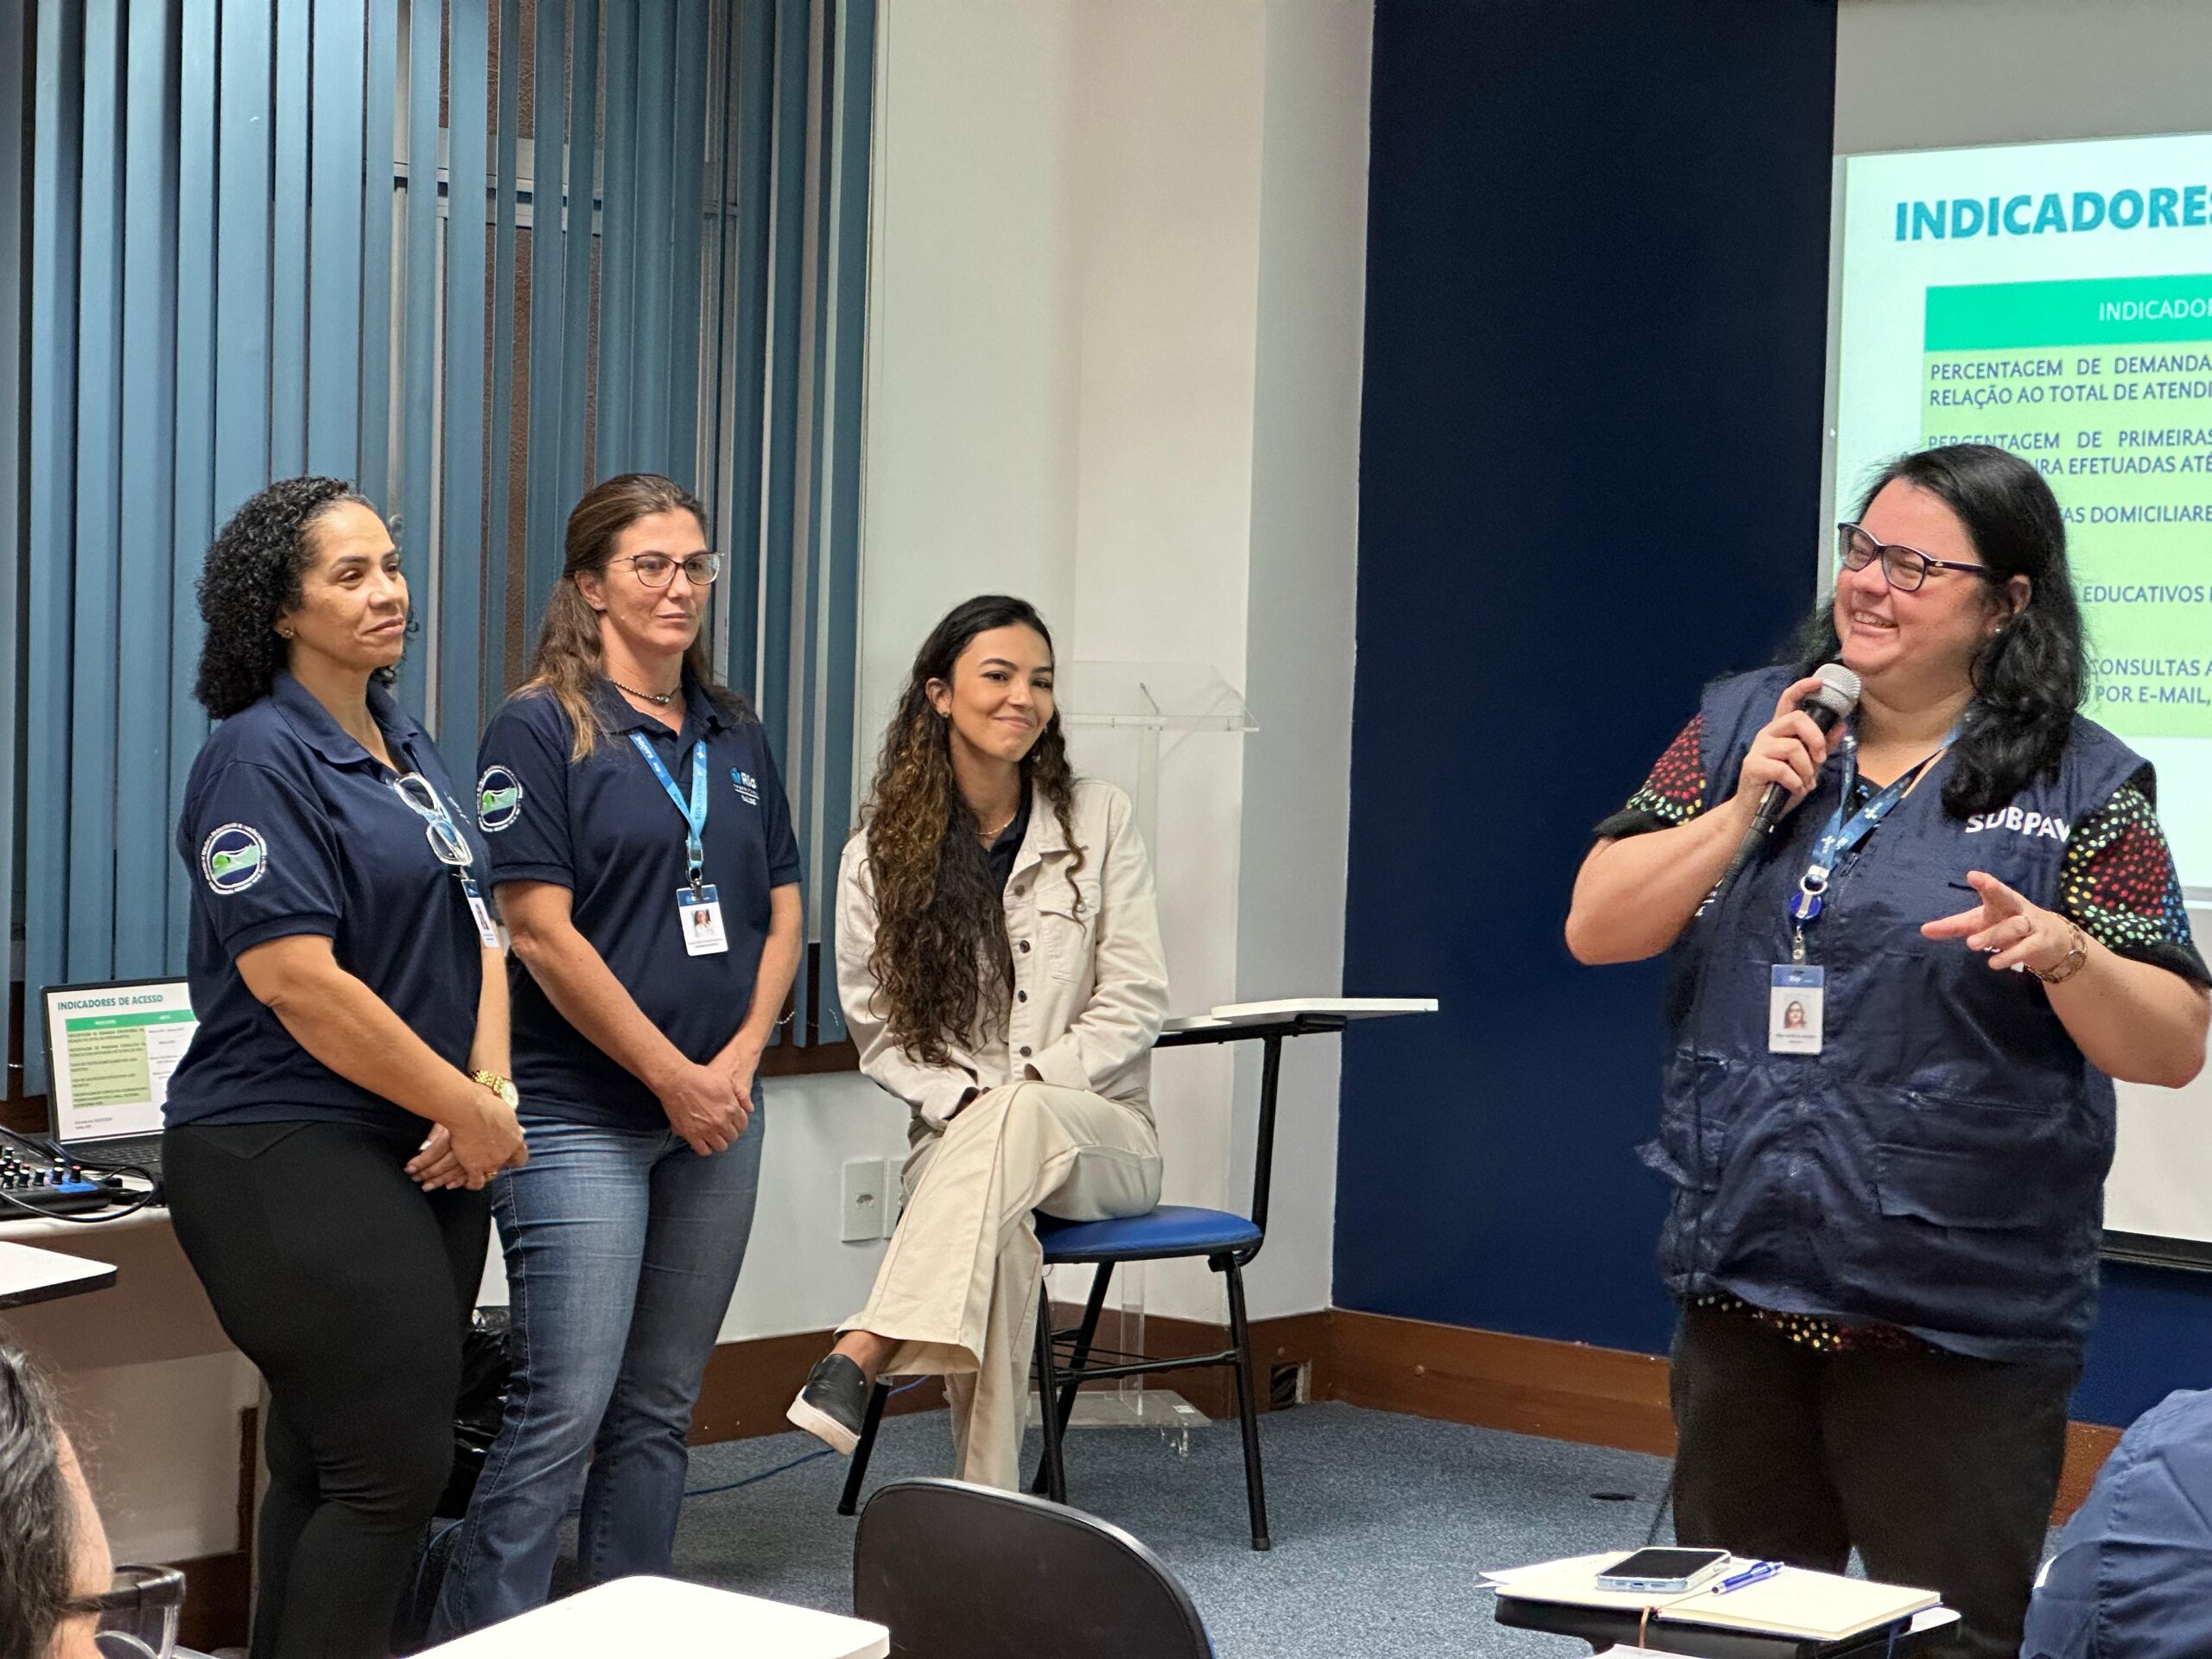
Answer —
(1057, 1382)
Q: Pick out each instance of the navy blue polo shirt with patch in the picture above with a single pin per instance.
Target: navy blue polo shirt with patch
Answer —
(606, 829)
(291, 827)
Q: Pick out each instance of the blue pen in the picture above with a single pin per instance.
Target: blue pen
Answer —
(1751, 1574)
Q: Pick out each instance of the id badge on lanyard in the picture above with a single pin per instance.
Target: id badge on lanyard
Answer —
(698, 903)
(1797, 990)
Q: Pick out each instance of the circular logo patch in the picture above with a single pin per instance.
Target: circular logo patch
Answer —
(498, 800)
(233, 858)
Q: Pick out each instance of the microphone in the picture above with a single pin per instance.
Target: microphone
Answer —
(1837, 696)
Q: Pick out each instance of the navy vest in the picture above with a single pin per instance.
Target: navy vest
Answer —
(1940, 1165)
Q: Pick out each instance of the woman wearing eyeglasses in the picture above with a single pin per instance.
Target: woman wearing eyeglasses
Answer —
(1885, 1220)
(344, 1100)
(61, 1596)
(646, 870)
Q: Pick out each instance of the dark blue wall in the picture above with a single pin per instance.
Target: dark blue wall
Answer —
(1590, 480)
(1589, 468)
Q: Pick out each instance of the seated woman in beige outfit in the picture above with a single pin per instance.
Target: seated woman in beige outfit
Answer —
(998, 957)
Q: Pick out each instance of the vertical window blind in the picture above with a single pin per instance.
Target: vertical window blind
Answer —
(473, 254)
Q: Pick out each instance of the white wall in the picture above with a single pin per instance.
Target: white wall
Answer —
(1115, 315)
(1925, 74)
(1298, 656)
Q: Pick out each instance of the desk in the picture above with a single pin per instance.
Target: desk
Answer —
(34, 1275)
(1268, 1024)
(662, 1616)
(1604, 1627)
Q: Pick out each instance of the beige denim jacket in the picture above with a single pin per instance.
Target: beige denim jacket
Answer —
(1090, 983)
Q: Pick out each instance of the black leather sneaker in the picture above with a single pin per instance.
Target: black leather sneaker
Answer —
(832, 1404)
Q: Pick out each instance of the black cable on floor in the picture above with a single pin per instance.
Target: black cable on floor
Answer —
(823, 1451)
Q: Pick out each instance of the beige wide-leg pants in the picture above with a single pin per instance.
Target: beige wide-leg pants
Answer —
(957, 1289)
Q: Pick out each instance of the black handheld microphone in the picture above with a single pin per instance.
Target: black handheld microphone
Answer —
(1833, 702)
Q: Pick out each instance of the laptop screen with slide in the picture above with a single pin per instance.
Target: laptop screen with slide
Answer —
(110, 1050)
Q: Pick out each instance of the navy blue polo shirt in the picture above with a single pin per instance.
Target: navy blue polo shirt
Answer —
(292, 827)
(606, 829)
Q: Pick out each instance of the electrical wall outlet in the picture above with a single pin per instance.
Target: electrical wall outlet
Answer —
(895, 1193)
(864, 1205)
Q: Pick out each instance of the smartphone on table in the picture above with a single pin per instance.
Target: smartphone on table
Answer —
(1664, 1571)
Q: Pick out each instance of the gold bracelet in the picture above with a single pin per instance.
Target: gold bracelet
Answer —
(2072, 965)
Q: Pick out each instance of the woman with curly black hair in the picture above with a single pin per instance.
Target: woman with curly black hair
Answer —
(350, 990)
(999, 961)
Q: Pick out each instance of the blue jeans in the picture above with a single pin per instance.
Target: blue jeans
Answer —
(622, 1251)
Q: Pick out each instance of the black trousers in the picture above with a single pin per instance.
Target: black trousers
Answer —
(1940, 1469)
(349, 1287)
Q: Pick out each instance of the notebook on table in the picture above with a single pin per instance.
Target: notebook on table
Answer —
(1811, 1606)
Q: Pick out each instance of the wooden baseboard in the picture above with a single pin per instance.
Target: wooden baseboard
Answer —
(1561, 1390)
(2088, 1446)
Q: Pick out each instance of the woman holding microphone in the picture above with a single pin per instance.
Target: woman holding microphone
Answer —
(349, 989)
(999, 962)
(1884, 1222)
(645, 864)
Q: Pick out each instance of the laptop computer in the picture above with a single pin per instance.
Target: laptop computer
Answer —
(110, 1050)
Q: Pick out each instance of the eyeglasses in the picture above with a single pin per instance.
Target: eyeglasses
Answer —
(446, 840)
(658, 570)
(138, 1612)
(1906, 567)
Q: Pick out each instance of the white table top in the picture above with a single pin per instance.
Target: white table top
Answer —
(1289, 1007)
(34, 1275)
(663, 1616)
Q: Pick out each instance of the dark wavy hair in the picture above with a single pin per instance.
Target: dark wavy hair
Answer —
(567, 664)
(251, 578)
(38, 1519)
(2029, 677)
(943, 969)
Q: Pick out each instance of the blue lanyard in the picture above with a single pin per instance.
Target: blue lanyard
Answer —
(1842, 835)
(694, 811)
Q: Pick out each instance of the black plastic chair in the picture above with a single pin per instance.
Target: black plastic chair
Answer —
(1226, 1240)
(962, 1572)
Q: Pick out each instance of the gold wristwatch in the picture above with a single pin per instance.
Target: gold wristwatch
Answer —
(498, 1085)
(2072, 964)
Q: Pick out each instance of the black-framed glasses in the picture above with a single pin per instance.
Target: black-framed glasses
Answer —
(658, 570)
(138, 1612)
(446, 840)
(1906, 567)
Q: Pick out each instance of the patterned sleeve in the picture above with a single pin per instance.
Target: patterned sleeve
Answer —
(2118, 883)
(1673, 794)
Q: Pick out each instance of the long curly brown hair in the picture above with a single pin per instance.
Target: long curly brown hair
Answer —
(942, 967)
(567, 664)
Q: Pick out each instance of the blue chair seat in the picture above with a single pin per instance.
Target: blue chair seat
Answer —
(1171, 1230)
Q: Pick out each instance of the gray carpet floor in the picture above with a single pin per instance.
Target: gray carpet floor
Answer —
(1379, 1522)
